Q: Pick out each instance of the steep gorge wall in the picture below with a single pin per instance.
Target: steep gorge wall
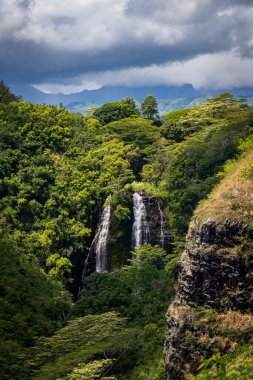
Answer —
(212, 276)
(212, 268)
(213, 307)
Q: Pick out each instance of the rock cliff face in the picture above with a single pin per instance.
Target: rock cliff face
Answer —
(216, 273)
(212, 310)
(155, 219)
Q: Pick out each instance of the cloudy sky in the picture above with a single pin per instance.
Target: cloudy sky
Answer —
(69, 45)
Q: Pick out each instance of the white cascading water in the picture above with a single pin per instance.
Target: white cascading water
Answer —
(140, 232)
(101, 239)
(162, 226)
(99, 244)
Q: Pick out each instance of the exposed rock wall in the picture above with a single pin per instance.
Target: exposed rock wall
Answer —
(154, 210)
(216, 273)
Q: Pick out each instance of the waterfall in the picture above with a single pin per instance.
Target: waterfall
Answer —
(140, 232)
(162, 226)
(101, 240)
(99, 244)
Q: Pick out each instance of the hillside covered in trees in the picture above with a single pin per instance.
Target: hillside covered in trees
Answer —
(58, 172)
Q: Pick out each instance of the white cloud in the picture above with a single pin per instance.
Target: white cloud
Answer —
(95, 25)
(73, 25)
(56, 88)
(125, 41)
(12, 17)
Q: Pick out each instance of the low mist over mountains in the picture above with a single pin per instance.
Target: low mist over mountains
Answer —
(169, 97)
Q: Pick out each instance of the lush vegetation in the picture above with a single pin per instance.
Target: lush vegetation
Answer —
(200, 141)
(238, 366)
(114, 111)
(56, 171)
(222, 328)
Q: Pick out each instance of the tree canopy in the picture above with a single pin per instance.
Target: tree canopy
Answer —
(149, 107)
(6, 96)
(114, 111)
(56, 171)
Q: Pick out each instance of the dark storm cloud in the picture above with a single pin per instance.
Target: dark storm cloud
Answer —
(225, 24)
(26, 62)
(45, 42)
(238, 2)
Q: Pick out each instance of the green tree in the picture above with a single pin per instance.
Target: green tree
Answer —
(91, 371)
(236, 367)
(114, 111)
(32, 304)
(149, 107)
(6, 96)
(130, 100)
(73, 348)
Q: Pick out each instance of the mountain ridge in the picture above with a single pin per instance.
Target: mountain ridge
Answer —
(169, 98)
(106, 93)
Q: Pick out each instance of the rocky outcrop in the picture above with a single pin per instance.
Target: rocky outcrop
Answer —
(215, 276)
(157, 222)
(215, 272)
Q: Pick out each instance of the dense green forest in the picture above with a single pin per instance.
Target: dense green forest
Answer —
(56, 171)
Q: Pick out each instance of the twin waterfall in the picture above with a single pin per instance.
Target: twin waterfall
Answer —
(101, 240)
(140, 232)
(97, 257)
(149, 226)
(150, 223)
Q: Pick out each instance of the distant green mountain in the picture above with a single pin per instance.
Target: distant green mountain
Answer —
(164, 105)
(170, 98)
